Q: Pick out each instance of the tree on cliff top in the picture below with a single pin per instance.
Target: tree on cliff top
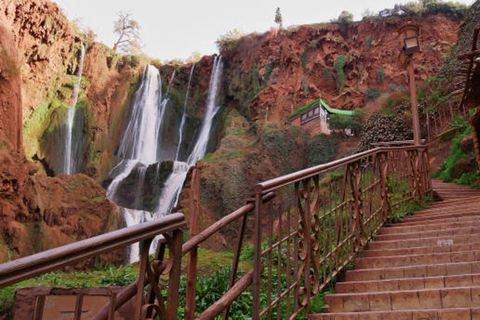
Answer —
(128, 31)
(278, 18)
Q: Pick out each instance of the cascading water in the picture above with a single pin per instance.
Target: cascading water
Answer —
(68, 157)
(173, 186)
(140, 144)
(138, 147)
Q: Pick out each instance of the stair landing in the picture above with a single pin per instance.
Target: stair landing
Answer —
(426, 267)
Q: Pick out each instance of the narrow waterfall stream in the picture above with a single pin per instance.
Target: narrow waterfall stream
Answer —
(141, 142)
(68, 156)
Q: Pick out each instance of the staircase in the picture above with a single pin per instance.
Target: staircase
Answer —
(426, 267)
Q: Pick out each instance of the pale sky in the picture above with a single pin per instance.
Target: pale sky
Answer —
(175, 29)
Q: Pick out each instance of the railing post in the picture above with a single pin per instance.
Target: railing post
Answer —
(192, 257)
(257, 259)
(144, 264)
(383, 169)
(174, 277)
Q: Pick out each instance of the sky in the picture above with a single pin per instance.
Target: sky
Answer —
(175, 29)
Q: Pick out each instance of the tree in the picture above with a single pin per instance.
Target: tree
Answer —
(128, 31)
(345, 19)
(278, 18)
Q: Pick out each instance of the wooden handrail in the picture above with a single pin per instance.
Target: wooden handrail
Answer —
(211, 230)
(46, 261)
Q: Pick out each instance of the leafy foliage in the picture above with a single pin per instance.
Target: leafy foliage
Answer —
(380, 76)
(229, 41)
(373, 93)
(338, 67)
(383, 128)
(369, 42)
(278, 18)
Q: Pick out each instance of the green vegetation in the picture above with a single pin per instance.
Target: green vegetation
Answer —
(373, 93)
(229, 41)
(327, 74)
(278, 18)
(268, 70)
(369, 42)
(338, 67)
(382, 128)
(380, 76)
(456, 153)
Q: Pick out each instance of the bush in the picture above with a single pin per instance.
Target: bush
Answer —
(373, 94)
(369, 42)
(327, 74)
(338, 67)
(380, 76)
(383, 128)
(229, 41)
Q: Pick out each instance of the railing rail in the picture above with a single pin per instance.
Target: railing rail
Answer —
(321, 218)
(50, 260)
(307, 227)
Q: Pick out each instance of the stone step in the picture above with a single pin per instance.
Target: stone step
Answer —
(463, 280)
(446, 247)
(417, 259)
(432, 314)
(457, 297)
(399, 228)
(433, 217)
(424, 242)
(429, 234)
(447, 220)
(420, 271)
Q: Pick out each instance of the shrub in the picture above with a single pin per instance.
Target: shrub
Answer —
(380, 76)
(369, 42)
(229, 41)
(383, 128)
(338, 67)
(327, 74)
(373, 94)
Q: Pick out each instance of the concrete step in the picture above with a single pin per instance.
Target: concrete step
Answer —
(432, 217)
(429, 234)
(463, 280)
(446, 247)
(420, 271)
(440, 225)
(424, 242)
(417, 259)
(458, 297)
(432, 314)
(446, 220)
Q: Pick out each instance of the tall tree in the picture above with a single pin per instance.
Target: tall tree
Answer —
(127, 30)
(278, 18)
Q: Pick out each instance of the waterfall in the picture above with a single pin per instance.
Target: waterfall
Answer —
(140, 145)
(68, 157)
(184, 116)
(140, 139)
(173, 186)
(213, 88)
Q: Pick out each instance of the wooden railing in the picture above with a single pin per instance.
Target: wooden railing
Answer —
(308, 227)
(50, 260)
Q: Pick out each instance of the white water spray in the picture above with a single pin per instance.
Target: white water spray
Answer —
(68, 162)
(173, 186)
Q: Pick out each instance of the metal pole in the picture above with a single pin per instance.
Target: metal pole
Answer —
(413, 98)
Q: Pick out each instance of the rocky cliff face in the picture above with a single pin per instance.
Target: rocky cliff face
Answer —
(273, 74)
(39, 212)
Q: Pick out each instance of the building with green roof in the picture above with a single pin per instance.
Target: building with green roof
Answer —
(315, 117)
